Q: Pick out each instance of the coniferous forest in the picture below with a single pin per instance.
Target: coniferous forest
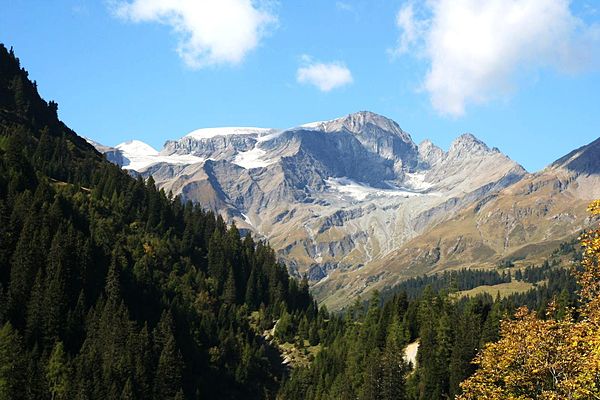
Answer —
(112, 289)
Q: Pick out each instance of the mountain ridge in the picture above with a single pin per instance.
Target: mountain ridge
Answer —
(332, 195)
(356, 205)
(522, 223)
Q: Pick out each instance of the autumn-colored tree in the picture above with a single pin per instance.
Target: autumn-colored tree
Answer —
(547, 358)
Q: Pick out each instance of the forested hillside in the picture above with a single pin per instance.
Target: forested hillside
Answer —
(112, 289)
(109, 288)
(365, 360)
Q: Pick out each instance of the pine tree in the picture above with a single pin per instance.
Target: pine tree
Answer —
(12, 365)
(466, 345)
(26, 261)
(55, 303)
(229, 290)
(216, 259)
(284, 327)
(128, 393)
(35, 311)
(394, 367)
(371, 390)
(251, 297)
(169, 372)
(57, 373)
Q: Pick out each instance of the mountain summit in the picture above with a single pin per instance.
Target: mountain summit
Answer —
(361, 123)
(330, 196)
(376, 133)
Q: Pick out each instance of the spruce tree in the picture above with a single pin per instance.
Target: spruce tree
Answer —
(12, 365)
(229, 290)
(57, 373)
(168, 379)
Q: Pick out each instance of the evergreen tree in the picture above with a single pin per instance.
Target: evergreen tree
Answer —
(229, 290)
(12, 365)
(57, 373)
(168, 380)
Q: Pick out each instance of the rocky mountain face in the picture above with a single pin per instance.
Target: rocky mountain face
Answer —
(521, 223)
(340, 200)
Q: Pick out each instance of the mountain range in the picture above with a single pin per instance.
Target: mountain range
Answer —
(355, 204)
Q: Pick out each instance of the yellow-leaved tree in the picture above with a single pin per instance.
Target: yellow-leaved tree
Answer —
(547, 358)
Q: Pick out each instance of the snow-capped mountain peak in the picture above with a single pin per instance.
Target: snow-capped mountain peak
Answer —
(341, 192)
(136, 148)
(137, 155)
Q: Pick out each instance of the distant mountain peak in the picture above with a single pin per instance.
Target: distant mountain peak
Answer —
(467, 142)
(468, 138)
(428, 145)
(429, 153)
(356, 123)
(99, 146)
(136, 147)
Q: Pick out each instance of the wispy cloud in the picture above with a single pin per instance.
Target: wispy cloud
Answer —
(209, 32)
(325, 76)
(475, 48)
(411, 27)
(342, 5)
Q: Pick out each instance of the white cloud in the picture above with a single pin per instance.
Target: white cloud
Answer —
(326, 77)
(476, 48)
(209, 32)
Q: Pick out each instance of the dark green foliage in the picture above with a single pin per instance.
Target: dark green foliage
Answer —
(364, 358)
(12, 364)
(169, 373)
(57, 373)
(109, 288)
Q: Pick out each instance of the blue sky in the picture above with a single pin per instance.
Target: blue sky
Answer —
(154, 69)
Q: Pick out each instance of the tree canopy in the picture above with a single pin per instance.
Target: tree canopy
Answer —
(552, 358)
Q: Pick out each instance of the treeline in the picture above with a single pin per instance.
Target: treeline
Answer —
(110, 288)
(463, 279)
(533, 274)
(365, 358)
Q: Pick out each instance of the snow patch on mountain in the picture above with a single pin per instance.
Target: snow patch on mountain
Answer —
(320, 125)
(136, 148)
(310, 125)
(416, 181)
(361, 191)
(139, 156)
(270, 135)
(252, 159)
